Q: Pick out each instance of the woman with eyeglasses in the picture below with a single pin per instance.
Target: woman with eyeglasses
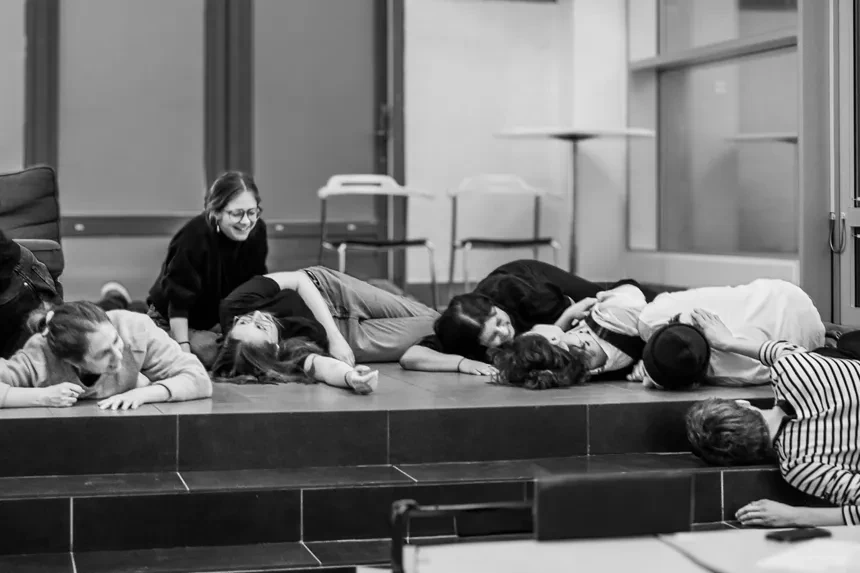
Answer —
(211, 255)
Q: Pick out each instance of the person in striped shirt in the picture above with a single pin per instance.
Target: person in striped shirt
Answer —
(813, 430)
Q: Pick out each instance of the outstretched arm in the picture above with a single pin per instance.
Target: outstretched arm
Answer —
(360, 379)
(302, 284)
(428, 360)
(767, 513)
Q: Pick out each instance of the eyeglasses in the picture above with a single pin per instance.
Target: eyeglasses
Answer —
(253, 214)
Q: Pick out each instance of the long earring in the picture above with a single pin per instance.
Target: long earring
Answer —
(217, 227)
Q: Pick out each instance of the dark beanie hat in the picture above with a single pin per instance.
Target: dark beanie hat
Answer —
(676, 356)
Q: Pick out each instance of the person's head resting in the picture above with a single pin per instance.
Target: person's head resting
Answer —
(232, 205)
(729, 432)
(81, 334)
(257, 328)
(535, 363)
(676, 357)
(471, 325)
(252, 352)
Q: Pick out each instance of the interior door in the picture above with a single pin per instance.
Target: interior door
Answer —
(845, 239)
(319, 91)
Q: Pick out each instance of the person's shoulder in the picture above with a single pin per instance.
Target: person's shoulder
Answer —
(194, 228)
(133, 327)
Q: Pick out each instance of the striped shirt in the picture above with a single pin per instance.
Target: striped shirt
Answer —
(818, 448)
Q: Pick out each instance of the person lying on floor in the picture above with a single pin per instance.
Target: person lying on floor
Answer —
(208, 257)
(314, 324)
(120, 358)
(509, 301)
(812, 430)
(677, 355)
(599, 340)
(25, 285)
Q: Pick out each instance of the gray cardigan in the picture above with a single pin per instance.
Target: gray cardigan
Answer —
(150, 356)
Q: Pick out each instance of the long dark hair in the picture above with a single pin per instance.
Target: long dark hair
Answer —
(225, 188)
(66, 327)
(240, 362)
(535, 363)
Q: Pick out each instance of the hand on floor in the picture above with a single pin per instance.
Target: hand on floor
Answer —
(476, 368)
(131, 400)
(60, 395)
(767, 513)
(638, 372)
(362, 379)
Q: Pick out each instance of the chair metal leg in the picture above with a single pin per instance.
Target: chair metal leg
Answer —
(431, 252)
(466, 249)
(451, 262)
(556, 250)
(341, 257)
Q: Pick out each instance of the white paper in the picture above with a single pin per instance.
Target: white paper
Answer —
(816, 556)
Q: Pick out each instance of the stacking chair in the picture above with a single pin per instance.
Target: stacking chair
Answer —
(30, 214)
(374, 185)
(502, 185)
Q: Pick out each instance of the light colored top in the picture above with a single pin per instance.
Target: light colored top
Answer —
(765, 309)
(148, 351)
(819, 449)
(618, 312)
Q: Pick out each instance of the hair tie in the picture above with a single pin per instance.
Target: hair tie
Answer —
(48, 316)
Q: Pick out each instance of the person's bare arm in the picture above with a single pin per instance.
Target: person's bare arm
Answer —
(768, 513)
(302, 284)
(360, 379)
(179, 332)
(429, 360)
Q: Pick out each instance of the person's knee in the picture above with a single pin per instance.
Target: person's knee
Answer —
(204, 345)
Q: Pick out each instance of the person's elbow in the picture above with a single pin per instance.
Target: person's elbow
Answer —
(203, 384)
(411, 359)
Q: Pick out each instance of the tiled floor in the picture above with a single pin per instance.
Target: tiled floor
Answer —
(398, 390)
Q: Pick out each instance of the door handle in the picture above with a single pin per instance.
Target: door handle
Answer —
(838, 250)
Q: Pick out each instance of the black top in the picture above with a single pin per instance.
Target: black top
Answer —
(532, 292)
(202, 267)
(290, 311)
(10, 254)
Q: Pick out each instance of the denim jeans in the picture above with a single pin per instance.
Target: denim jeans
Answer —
(378, 325)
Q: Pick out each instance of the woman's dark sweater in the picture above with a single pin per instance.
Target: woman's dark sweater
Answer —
(202, 267)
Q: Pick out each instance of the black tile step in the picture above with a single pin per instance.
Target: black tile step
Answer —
(123, 512)
(413, 418)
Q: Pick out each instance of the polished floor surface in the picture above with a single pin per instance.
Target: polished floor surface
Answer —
(398, 390)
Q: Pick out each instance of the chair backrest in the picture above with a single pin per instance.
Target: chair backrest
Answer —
(29, 206)
(497, 184)
(587, 506)
(367, 184)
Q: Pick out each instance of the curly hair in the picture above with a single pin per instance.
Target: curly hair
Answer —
(240, 362)
(535, 363)
(722, 432)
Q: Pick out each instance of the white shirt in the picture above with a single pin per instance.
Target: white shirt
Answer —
(765, 309)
